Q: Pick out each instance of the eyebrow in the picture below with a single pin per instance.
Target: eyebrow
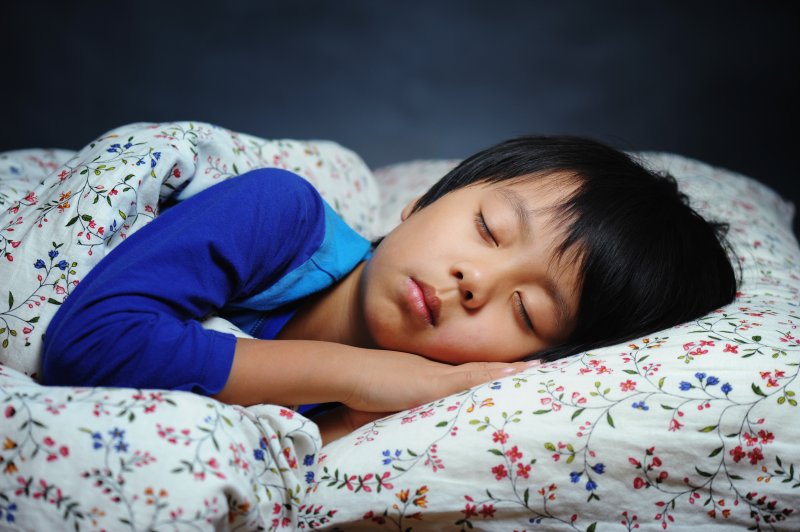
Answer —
(523, 215)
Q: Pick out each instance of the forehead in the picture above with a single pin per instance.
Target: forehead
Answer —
(543, 195)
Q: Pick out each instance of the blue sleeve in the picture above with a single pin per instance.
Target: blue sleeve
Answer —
(133, 320)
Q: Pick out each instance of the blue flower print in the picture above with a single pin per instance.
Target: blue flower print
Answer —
(599, 468)
(9, 512)
(686, 386)
(63, 265)
(726, 388)
(52, 253)
(128, 146)
(310, 477)
(308, 460)
(712, 381)
(114, 148)
(121, 447)
(258, 454)
(39, 264)
(575, 477)
(388, 454)
(641, 406)
(116, 433)
(154, 160)
(700, 376)
(591, 485)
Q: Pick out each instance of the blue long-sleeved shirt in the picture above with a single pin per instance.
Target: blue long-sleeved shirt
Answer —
(251, 247)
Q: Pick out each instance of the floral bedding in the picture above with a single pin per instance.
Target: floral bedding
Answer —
(691, 427)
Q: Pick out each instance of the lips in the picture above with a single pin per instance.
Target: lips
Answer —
(424, 302)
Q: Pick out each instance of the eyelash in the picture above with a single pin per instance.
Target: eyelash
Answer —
(483, 229)
(520, 308)
(485, 232)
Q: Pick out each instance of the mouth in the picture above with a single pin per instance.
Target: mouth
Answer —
(424, 302)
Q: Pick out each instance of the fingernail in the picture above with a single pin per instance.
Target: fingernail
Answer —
(532, 363)
(509, 371)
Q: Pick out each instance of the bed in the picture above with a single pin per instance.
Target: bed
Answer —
(695, 426)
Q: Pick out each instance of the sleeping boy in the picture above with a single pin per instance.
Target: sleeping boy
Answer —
(537, 248)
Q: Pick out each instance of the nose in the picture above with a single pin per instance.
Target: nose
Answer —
(472, 284)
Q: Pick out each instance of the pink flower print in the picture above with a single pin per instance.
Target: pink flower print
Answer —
(500, 436)
(627, 386)
(500, 472)
(523, 470)
(706, 342)
(750, 439)
(288, 414)
(729, 348)
(688, 345)
(675, 425)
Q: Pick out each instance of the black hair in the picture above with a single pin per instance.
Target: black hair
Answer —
(649, 261)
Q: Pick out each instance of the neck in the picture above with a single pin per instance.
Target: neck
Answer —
(333, 315)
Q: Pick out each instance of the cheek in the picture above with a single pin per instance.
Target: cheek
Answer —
(480, 343)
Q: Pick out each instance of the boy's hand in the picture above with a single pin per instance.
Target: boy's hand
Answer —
(389, 381)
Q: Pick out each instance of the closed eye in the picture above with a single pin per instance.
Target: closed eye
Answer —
(523, 314)
(483, 229)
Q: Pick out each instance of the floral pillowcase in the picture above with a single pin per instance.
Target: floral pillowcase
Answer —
(687, 427)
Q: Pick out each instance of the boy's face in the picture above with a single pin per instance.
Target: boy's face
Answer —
(473, 276)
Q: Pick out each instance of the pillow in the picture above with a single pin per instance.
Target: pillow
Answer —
(685, 428)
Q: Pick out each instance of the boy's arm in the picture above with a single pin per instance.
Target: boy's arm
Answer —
(133, 319)
(369, 380)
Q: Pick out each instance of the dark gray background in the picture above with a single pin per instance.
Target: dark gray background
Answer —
(395, 80)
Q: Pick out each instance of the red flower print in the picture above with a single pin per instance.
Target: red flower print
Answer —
(755, 455)
(500, 436)
(487, 511)
(731, 349)
(627, 386)
(500, 472)
(766, 436)
(469, 511)
(523, 470)
(514, 454)
(288, 414)
(639, 483)
(737, 453)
